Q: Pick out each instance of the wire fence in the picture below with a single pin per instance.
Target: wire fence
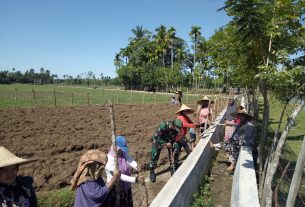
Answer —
(67, 96)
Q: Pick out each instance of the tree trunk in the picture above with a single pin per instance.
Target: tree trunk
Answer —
(271, 153)
(297, 177)
(264, 128)
(267, 195)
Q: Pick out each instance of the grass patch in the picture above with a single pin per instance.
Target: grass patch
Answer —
(291, 149)
(28, 95)
(204, 197)
(56, 198)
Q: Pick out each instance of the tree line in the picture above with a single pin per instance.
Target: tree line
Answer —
(46, 77)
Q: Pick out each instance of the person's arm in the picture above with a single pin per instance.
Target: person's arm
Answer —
(131, 162)
(110, 169)
(114, 179)
(186, 123)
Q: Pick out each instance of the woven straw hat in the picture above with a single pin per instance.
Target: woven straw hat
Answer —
(185, 108)
(7, 158)
(205, 98)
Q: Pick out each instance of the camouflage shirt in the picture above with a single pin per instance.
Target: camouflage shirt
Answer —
(166, 131)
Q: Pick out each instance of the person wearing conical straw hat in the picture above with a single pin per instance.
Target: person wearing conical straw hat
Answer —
(204, 113)
(15, 190)
(187, 123)
(244, 135)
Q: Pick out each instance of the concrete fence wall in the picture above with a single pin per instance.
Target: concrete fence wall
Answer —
(244, 187)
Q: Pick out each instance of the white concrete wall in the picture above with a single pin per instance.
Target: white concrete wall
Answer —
(244, 188)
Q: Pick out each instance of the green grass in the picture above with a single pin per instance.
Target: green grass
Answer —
(56, 198)
(22, 95)
(291, 148)
(204, 197)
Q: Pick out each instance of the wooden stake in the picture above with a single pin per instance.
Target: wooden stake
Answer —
(16, 91)
(116, 164)
(34, 95)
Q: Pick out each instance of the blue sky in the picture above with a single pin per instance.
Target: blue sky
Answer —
(76, 36)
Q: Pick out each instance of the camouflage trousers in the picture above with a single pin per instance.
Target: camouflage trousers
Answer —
(157, 146)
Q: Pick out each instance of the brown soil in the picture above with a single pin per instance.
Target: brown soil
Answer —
(221, 184)
(58, 136)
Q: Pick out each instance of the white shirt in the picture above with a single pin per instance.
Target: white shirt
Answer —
(110, 168)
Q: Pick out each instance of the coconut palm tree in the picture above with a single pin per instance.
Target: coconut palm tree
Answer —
(195, 34)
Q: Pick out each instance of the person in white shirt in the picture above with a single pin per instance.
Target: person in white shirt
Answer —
(125, 162)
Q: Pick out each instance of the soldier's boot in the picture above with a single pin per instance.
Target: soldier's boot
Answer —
(152, 176)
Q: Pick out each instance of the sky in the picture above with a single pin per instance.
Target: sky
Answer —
(76, 36)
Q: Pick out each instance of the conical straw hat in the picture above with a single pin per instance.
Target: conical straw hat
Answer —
(186, 109)
(205, 98)
(7, 158)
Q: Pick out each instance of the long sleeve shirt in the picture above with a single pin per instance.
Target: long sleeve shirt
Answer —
(92, 193)
(245, 132)
(111, 165)
(186, 123)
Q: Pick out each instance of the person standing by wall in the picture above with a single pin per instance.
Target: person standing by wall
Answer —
(244, 135)
(204, 113)
(187, 123)
(125, 163)
(229, 119)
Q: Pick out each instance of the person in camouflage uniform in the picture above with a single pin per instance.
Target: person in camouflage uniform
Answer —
(165, 135)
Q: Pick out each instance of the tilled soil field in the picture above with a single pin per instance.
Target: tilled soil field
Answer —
(58, 136)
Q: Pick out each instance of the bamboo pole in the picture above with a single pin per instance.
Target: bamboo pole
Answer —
(16, 91)
(34, 96)
(72, 99)
(88, 99)
(130, 95)
(117, 95)
(116, 164)
(145, 199)
(54, 92)
(143, 100)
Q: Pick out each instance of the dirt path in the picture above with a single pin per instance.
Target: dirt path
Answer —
(222, 181)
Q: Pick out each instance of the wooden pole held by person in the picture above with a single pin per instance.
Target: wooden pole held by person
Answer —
(116, 164)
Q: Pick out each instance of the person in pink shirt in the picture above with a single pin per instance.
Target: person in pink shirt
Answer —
(187, 123)
(204, 113)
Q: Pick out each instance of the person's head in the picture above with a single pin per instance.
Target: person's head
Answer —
(91, 166)
(121, 144)
(8, 174)
(231, 102)
(243, 116)
(9, 165)
(184, 110)
(240, 108)
(204, 102)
